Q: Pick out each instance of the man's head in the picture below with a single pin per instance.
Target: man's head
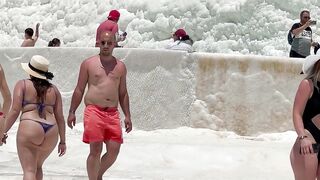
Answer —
(28, 33)
(107, 43)
(179, 34)
(114, 15)
(304, 16)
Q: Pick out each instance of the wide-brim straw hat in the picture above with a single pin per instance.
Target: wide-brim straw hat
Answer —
(37, 67)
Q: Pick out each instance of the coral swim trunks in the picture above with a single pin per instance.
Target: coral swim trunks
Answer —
(101, 124)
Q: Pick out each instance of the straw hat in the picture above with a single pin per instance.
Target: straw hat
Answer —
(38, 67)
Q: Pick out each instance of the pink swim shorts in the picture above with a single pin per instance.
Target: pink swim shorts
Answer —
(101, 124)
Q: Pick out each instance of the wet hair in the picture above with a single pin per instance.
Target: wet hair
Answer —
(304, 11)
(54, 42)
(41, 86)
(29, 32)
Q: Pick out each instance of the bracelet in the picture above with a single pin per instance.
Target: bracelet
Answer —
(302, 137)
(62, 143)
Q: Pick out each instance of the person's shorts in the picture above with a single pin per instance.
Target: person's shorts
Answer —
(101, 124)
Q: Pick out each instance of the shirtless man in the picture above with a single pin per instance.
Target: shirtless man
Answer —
(6, 96)
(106, 80)
(28, 40)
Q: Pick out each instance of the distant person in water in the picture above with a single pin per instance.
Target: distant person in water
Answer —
(305, 155)
(39, 105)
(105, 79)
(6, 96)
(30, 41)
(181, 41)
(55, 42)
(302, 36)
(110, 25)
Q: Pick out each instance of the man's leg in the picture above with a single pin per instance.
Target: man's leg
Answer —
(93, 160)
(109, 157)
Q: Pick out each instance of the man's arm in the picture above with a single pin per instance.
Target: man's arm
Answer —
(297, 30)
(78, 93)
(37, 33)
(124, 100)
(5, 92)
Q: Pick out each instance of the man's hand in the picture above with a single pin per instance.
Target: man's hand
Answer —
(71, 120)
(128, 124)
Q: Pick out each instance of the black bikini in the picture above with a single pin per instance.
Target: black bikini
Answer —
(40, 107)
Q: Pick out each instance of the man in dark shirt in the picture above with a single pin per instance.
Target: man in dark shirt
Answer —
(302, 36)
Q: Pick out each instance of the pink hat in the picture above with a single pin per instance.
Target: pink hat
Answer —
(114, 15)
(180, 33)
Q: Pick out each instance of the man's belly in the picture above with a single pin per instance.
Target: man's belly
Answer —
(102, 99)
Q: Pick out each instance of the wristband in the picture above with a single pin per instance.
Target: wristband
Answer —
(62, 143)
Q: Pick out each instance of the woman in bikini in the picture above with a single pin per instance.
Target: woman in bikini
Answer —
(41, 119)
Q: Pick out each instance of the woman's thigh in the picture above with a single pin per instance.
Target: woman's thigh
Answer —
(48, 144)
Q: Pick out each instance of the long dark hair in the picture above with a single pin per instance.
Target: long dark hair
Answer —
(41, 86)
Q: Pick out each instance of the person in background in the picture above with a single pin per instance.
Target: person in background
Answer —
(302, 36)
(41, 119)
(6, 96)
(55, 42)
(110, 25)
(305, 155)
(181, 41)
(28, 40)
(106, 79)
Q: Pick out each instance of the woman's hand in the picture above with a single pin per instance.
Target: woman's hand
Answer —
(305, 146)
(3, 138)
(62, 149)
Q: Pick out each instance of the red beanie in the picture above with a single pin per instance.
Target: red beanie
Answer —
(114, 15)
(180, 33)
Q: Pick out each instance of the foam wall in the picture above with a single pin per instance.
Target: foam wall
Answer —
(170, 89)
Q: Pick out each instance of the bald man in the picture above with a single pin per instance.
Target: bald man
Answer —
(106, 79)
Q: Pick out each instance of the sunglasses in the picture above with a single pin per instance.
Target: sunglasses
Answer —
(109, 43)
(306, 17)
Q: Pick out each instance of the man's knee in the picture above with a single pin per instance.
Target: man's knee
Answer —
(95, 149)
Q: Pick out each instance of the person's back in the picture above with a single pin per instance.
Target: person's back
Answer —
(181, 41)
(28, 40)
(180, 45)
(109, 25)
(41, 119)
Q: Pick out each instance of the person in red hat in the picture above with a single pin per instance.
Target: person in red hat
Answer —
(181, 41)
(109, 25)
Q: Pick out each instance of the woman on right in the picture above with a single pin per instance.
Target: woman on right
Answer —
(304, 155)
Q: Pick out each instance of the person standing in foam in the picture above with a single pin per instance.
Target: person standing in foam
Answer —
(6, 96)
(28, 40)
(110, 25)
(181, 41)
(41, 119)
(106, 79)
(305, 155)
